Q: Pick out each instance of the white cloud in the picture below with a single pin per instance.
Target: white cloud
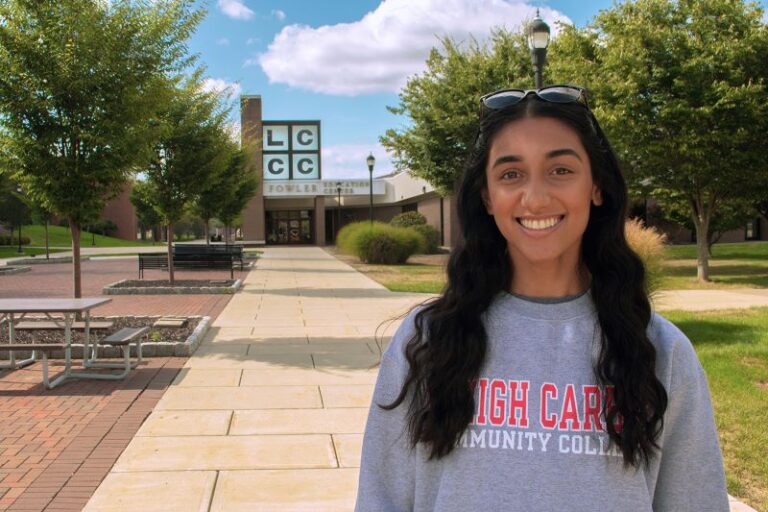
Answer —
(277, 13)
(345, 161)
(377, 53)
(223, 42)
(252, 40)
(231, 89)
(236, 9)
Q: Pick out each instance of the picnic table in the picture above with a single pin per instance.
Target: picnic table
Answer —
(13, 310)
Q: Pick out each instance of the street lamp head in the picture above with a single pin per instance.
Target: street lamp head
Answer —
(370, 161)
(538, 33)
(338, 187)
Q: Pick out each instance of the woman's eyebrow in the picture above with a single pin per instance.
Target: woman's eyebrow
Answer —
(550, 154)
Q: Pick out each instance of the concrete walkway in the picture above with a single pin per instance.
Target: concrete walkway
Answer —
(269, 412)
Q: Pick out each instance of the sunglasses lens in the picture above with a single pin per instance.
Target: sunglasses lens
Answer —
(503, 99)
(560, 94)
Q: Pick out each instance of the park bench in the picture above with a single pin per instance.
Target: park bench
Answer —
(187, 260)
(152, 261)
(235, 250)
(44, 349)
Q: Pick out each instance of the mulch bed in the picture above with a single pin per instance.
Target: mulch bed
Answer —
(155, 334)
(187, 283)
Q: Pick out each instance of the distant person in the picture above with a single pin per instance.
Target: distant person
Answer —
(541, 380)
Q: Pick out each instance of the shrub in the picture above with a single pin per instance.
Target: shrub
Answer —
(430, 238)
(408, 219)
(347, 237)
(649, 244)
(378, 243)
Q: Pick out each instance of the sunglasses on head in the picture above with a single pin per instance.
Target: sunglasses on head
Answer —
(498, 100)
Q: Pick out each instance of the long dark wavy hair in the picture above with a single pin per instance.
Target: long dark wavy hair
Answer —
(449, 345)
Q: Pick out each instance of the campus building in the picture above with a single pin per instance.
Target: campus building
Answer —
(295, 205)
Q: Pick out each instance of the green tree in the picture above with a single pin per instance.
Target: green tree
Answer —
(147, 215)
(241, 182)
(218, 190)
(442, 104)
(80, 83)
(190, 152)
(680, 89)
(732, 214)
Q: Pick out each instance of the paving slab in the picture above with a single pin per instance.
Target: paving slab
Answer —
(188, 377)
(254, 362)
(180, 490)
(197, 453)
(325, 490)
(231, 398)
(299, 421)
(347, 395)
(349, 447)
(186, 423)
(307, 376)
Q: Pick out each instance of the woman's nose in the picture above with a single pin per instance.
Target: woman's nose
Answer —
(535, 196)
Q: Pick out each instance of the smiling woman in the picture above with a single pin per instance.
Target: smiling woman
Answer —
(543, 351)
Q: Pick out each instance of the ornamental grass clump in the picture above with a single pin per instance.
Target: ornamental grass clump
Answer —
(378, 243)
(649, 244)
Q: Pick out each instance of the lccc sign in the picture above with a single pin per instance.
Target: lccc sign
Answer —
(291, 150)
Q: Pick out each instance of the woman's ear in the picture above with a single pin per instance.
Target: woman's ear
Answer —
(597, 196)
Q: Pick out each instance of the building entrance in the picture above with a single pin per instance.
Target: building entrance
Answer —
(290, 227)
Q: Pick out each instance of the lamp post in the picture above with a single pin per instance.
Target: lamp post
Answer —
(21, 221)
(538, 40)
(370, 161)
(338, 213)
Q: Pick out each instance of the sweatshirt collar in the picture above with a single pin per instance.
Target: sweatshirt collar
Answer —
(555, 309)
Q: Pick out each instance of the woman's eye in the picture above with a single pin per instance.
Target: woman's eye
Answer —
(561, 171)
(510, 175)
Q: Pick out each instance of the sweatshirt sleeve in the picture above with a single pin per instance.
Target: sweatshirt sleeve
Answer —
(387, 469)
(691, 476)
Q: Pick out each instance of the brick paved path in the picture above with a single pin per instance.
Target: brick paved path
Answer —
(56, 446)
(55, 280)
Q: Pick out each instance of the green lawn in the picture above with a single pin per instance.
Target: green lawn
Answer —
(59, 237)
(12, 251)
(743, 250)
(733, 349)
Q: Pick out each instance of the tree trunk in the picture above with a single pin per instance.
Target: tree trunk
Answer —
(170, 253)
(702, 215)
(75, 229)
(207, 232)
(47, 252)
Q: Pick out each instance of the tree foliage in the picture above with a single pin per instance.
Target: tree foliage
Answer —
(141, 199)
(241, 181)
(442, 104)
(81, 82)
(680, 89)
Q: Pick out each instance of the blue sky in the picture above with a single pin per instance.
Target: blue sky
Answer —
(343, 62)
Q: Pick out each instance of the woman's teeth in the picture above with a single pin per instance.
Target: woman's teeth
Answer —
(539, 223)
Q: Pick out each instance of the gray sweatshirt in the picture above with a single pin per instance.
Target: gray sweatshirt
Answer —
(537, 441)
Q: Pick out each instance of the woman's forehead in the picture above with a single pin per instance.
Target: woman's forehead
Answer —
(532, 135)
